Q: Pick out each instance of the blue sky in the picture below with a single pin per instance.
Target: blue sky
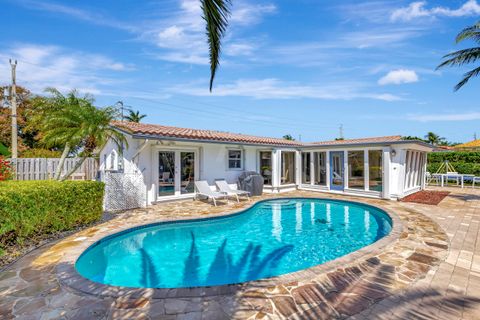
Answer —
(301, 67)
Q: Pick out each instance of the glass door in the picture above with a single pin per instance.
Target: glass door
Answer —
(166, 173)
(176, 173)
(187, 172)
(336, 170)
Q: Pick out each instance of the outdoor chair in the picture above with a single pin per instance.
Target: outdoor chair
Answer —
(203, 189)
(223, 187)
(452, 176)
(475, 180)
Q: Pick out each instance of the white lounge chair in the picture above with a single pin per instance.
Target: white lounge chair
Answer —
(203, 189)
(475, 180)
(223, 186)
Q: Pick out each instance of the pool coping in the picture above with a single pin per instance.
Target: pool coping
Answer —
(69, 276)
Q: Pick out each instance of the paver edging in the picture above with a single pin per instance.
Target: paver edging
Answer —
(68, 275)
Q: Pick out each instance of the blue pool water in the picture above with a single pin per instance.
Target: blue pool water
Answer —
(273, 237)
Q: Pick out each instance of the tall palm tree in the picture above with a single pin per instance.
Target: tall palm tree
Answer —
(465, 56)
(80, 125)
(216, 14)
(134, 116)
(433, 138)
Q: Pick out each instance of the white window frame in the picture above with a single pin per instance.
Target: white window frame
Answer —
(242, 154)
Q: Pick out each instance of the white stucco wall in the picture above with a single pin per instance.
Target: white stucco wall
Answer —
(211, 161)
(211, 164)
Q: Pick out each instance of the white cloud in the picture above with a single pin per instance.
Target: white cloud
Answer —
(468, 116)
(277, 89)
(239, 49)
(248, 14)
(182, 37)
(419, 10)
(44, 66)
(399, 76)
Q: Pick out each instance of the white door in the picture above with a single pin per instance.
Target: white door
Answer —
(176, 172)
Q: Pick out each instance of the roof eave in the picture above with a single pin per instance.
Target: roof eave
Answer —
(170, 138)
(359, 144)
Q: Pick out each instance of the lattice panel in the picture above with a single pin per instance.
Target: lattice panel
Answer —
(123, 191)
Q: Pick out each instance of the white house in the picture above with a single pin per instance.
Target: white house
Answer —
(168, 160)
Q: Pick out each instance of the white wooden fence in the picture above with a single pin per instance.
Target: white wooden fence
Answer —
(44, 168)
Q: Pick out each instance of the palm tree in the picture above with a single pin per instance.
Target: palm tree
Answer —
(134, 116)
(433, 138)
(215, 14)
(79, 125)
(288, 137)
(465, 56)
(48, 116)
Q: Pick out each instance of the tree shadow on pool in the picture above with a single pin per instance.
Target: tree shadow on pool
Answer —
(224, 270)
(150, 277)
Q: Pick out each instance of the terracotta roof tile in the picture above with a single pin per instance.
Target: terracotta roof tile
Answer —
(198, 134)
(385, 139)
(212, 135)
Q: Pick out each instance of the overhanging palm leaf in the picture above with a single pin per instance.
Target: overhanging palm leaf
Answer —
(465, 56)
(472, 32)
(215, 14)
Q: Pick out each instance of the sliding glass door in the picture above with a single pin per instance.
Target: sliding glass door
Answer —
(176, 173)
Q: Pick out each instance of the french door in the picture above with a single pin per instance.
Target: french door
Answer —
(176, 172)
(336, 170)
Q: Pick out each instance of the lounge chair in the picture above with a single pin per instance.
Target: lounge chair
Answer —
(474, 180)
(203, 189)
(223, 186)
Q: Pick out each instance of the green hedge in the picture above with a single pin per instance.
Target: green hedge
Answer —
(459, 156)
(462, 161)
(30, 209)
(460, 167)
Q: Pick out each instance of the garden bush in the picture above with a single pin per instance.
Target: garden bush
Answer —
(460, 167)
(30, 209)
(460, 156)
(463, 162)
(6, 170)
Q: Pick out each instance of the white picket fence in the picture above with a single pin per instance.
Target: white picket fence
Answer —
(44, 168)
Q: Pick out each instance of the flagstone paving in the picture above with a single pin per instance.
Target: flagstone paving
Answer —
(452, 290)
(430, 271)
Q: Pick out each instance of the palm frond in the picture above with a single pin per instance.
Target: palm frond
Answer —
(216, 14)
(473, 73)
(461, 57)
(472, 32)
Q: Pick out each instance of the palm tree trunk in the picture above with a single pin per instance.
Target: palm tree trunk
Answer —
(75, 168)
(65, 153)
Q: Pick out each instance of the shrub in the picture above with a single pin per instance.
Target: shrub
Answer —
(459, 156)
(6, 170)
(41, 153)
(4, 150)
(463, 162)
(30, 209)
(460, 167)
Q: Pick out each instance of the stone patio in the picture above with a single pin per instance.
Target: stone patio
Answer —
(430, 271)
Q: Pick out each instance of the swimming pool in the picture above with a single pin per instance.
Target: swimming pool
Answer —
(271, 238)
